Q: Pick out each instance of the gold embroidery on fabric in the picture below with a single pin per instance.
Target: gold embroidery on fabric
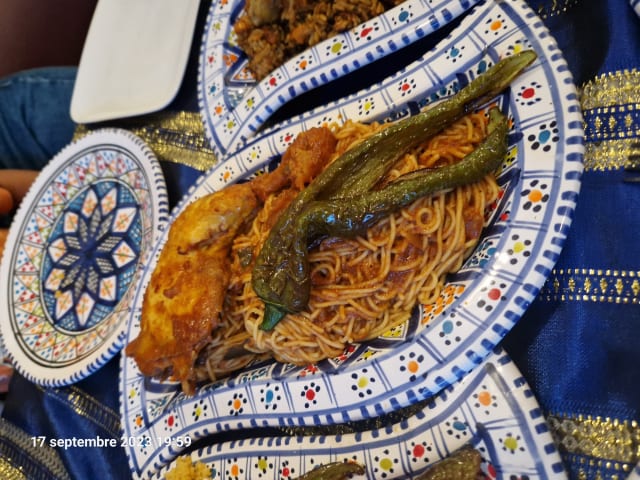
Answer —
(613, 122)
(592, 285)
(555, 7)
(88, 407)
(612, 90)
(23, 456)
(616, 444)
(177, 137)
(10, 472)
(608, 155)
(611, 107)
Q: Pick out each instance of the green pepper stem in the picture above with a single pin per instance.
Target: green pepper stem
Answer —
(334, 471)
(272, 315)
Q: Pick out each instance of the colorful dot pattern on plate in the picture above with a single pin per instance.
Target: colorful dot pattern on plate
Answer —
(491, 409)
(85, 226)
(233, 106)
(440, 343)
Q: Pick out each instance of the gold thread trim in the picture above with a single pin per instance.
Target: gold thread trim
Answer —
(592, 285)
(10, 472)
(611, 109)
(613, 122)
(21, 456)
(555, 8)
(611, 443)
(609, 155)
(177, 137)
(611, 89)
(597, 469)
(88, 407)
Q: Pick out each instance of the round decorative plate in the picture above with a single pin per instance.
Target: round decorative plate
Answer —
(492, 409)
(234, 106)
(75, 253)
(440, 343)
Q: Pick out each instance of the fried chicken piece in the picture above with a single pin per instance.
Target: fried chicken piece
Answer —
(183, 301)
(305, 158)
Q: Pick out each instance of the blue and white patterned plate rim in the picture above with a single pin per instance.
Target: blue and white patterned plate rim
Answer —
(492, 409)
(56, 335)
(541, 179)
(233, 106)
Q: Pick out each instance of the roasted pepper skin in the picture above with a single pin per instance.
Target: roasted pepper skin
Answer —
(334, 471)
(280, 275)
(349, 219)
(360, 169)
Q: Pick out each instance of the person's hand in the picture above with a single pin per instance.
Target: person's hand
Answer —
(14, 185)
(6, 201)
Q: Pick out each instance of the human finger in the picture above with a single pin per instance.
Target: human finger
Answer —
(6, 201)
(17, 182)
(4, 233)
(6, 371)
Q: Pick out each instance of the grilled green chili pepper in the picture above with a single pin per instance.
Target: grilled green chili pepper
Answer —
(346, 219)
(280, 276)
(349, 219)
(378, 153)
(463, 464)
(334, 471)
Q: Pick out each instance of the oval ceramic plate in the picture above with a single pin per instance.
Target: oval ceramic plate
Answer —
(133, 58)
(74, 256)
(539, 181)
(234, 106)
(491, 409)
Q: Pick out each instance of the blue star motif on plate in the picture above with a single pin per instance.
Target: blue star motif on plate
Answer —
(92, 255)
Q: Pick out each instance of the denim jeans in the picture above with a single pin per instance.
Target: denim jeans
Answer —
(35, 122)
